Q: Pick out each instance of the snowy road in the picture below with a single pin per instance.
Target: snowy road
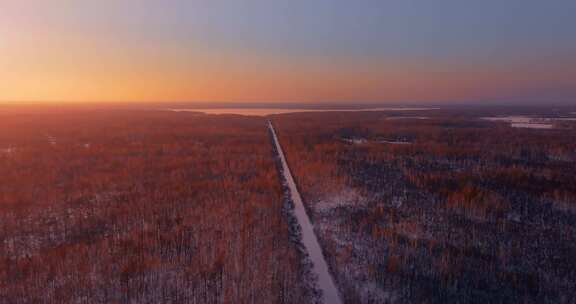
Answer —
(320, 267)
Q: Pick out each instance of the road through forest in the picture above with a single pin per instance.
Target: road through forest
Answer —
(320, 267)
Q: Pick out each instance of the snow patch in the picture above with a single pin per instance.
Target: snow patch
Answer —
(51, 140)
(346, 197)
(8, 150)
(360, 141)
(393, 142)
(355, 140)
(371, 292)
(531, 125)
(529, 122)
(406, 117)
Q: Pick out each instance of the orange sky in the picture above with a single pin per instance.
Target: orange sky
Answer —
(79, 70)
(46, 57)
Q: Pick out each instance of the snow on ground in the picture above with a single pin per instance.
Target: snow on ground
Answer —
(531, 125)
(8, 150)
(511, 119)
(393, 142)
(406, 117)
(348, 245)
(360, 141)
(372, 293)
(529, 122)
(347, 197)
(355, 140)
(325, 281)
(51, 140)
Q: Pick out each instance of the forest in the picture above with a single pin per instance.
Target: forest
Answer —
(136, 206)
(144, 205)
(439, 207)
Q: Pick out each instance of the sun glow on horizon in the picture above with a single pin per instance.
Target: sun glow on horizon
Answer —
(111, 52)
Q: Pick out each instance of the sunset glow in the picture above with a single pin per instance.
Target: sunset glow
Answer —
(330, 51)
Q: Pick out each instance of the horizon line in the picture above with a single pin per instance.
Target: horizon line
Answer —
(292, 103)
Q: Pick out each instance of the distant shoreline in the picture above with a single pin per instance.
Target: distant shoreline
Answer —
(272, 111)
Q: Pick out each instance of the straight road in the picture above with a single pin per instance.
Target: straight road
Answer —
(320, 267)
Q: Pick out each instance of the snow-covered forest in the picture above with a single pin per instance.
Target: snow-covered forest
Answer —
(143, 207)
(127, 205)
(464, 211)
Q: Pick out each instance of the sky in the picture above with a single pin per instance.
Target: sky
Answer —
(388, 51)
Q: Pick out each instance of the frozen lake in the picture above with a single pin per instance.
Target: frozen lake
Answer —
(271, 111)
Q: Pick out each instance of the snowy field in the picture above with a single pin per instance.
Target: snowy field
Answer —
(529, 122)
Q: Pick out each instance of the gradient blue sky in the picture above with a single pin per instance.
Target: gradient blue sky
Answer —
(277, 50)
